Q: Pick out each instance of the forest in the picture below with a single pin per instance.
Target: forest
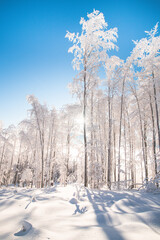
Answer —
(110, 137)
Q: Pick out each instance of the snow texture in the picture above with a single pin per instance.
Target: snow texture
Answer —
(26, 226)
(74, 212)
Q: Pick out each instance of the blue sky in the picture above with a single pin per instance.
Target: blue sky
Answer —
(34, 55)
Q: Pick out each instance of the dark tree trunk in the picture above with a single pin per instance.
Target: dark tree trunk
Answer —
(84, 130)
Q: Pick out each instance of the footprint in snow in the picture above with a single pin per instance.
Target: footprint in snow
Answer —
(25, 228)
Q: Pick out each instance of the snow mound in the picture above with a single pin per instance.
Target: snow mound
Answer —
(25, 228)
(73, 201)
(113, 215)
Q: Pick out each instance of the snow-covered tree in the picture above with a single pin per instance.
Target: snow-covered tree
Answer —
(89, 49)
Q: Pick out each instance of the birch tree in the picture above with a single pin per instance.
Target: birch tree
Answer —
(112, 67)
(146, 55)
(89, 47)
(40, 114)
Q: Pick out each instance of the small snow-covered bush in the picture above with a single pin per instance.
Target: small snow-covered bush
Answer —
(152, 184)
(26, 176)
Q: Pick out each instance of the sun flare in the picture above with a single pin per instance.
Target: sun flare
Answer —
(79, 120)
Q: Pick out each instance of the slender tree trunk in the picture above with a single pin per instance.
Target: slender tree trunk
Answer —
(132, 165)
(125, 152)
(142, 177)
(2, 155)
(42, 174)
(154, 136)
(92, 151)
(50, 158)
(120, 128)
(41, 137)
(97, 165)
(99, 138)
(145, 148)
(10, 169)
(104, 167)
(47, 159)
(109, 138)
(84, 129)
(156, 108)
(115, 164)
(1, 162)
(142, 138)
(17, 166)
(68, 152)
(131, 151)
(35, 160)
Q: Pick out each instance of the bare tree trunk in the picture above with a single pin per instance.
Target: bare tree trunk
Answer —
(102, 154)
(97, 172)
(84, 129)
(145, 148)
(34, 159)
(17, 166)
(130, 150)
(142, 138)
(109, 139)
(120, 127)
(102, 150)
(49, 150)
(41, 137)
(10, 169)
(104, 167)
(156, 108)
(2, 155)
(68, 152)
(52, 146)
(154, 136)
(125, 153)
(132, 165)
(42, 173)
(92, 152)
(47, 160)
(142, 178)
(115, 164)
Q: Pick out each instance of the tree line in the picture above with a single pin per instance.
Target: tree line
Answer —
(111, 136)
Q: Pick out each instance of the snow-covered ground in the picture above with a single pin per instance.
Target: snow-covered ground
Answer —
(76, 213)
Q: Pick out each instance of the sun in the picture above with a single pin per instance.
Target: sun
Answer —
(79, 120)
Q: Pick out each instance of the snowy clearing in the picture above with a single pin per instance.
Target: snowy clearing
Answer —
(75, 213)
